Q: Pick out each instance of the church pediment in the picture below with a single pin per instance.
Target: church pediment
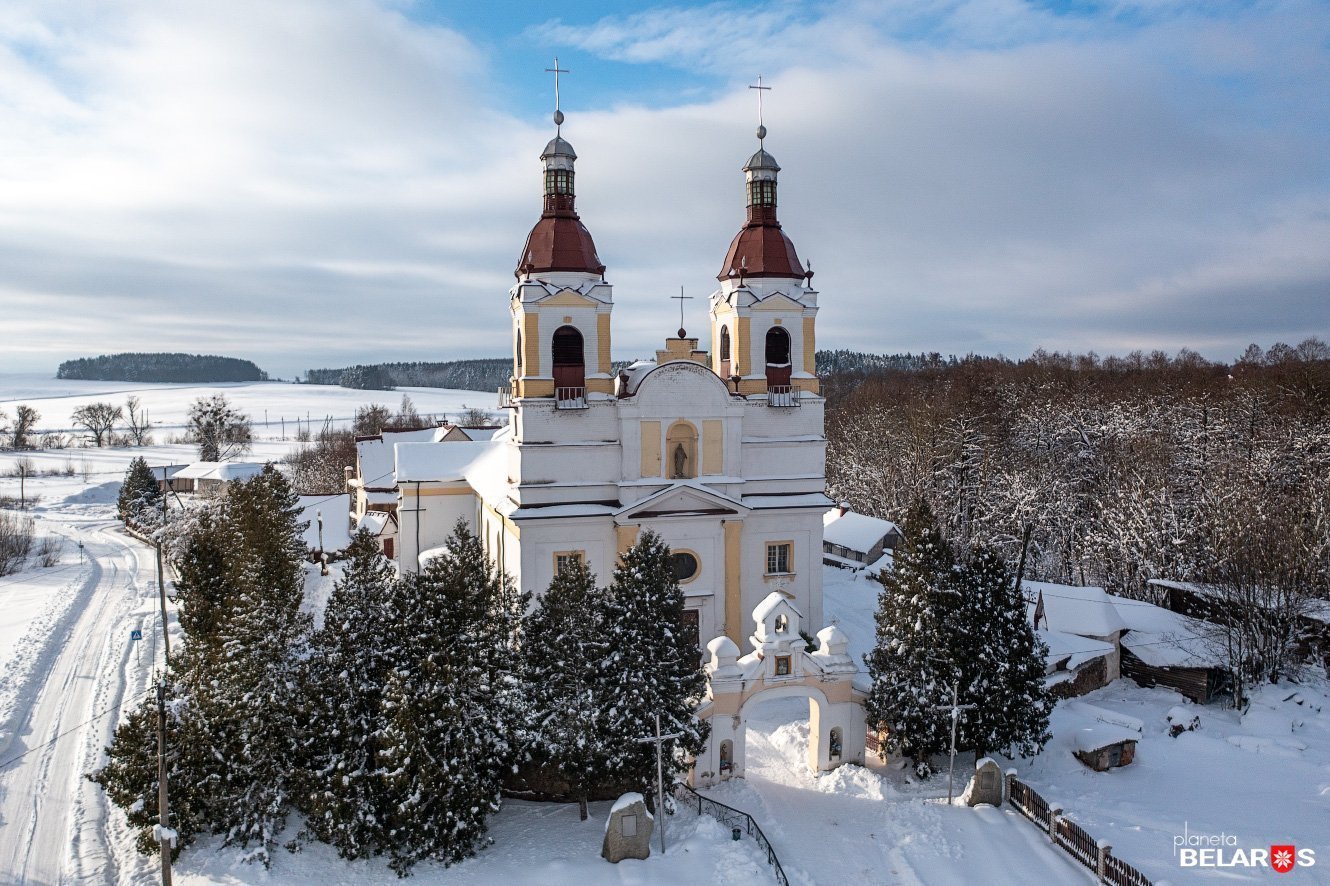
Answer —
(683, 500)
(668, 385)
(569, 298)
(778, 301)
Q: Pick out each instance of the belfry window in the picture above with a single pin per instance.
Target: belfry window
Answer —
(725, 352)
(761, 192)
(559, 181)
(569, 363)
(778, 358)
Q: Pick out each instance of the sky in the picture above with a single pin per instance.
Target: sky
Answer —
(317, 183)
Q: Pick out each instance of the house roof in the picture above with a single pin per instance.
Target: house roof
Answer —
(1101, 735)
(1075, 650)
(336, 523)
(1165, 639)
(771, 603)
(1086, 611)
(376, 453)
(857, 532)
(225, 471)
(441, 462)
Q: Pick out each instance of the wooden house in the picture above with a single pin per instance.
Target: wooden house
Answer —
(854, 541)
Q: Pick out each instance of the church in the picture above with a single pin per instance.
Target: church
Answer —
(719, 448)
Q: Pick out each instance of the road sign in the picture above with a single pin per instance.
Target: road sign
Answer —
(135, 634)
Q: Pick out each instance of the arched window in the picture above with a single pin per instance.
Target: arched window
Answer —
(517, 360)
(778, 357)
(681, 451)
(782, 623)
(726, 756)
(569, 365)
(725, 352)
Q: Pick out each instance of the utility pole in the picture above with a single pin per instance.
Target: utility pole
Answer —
(660, 777)
(164, 833)
(955, 718)
(22, 494)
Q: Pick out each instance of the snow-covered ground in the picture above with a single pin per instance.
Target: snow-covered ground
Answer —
(66, 657)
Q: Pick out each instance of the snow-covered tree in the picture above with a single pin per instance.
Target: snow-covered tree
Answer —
(448, 705)
(98, 419)
(911, 664)
(653, 664)
(1000, 662)
(350, 658)
(220, 430)
(139, 493)
(565, 686)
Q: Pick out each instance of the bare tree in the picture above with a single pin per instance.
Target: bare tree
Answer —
(407, 417)
(137, 425)
(371, 419)
(220, 430)
(25, 420)
(99, 419)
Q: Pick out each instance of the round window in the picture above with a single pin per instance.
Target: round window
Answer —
(685, 565)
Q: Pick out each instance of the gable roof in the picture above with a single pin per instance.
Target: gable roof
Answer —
(1086, 611)
(682, 499)
(857, 532)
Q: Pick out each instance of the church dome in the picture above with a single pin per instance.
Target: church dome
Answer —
(559, 241)
(761, 248)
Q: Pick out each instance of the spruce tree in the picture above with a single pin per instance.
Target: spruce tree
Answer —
(564, 685)
(343, 797)
(650, 666)
(448, 705)
(911, 663)
(1001, 662)
(140, 496)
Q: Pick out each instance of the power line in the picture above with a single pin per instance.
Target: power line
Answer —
(12, 760)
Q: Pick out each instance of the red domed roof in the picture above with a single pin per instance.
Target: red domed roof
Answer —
(761, 249)
(559, 242)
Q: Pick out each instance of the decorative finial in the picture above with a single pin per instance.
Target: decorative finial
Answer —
(761, 128)
(556, 71)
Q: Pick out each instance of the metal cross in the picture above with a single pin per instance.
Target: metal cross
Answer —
(760, 89)
(556, 71)
(681, 298)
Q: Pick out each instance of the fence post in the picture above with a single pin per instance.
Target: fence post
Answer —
(1105, 851)
(1007, 784)
(1053, 813)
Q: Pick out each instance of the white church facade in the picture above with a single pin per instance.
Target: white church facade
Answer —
(718, 450)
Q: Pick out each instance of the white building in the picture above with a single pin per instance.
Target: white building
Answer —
(721, 453)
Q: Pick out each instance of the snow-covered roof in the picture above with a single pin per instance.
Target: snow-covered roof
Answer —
(483, 433)
(857, 532)
(225, 471)
(1317, 610)
(1165, 639)
(1101, 735)
(635, 373)
(796, 500)
(430, 554)
(336, 523)
(1075, 650)
(376, 453)
(769, 605)
(1086, 611)
(373, 521)
(421, 462)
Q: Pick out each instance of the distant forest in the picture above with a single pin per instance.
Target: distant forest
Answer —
(493, 373)
(192, 368)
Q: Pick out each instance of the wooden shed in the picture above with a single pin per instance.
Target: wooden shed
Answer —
(1105, 747)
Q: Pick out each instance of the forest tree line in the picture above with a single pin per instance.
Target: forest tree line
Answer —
(1108, 472)
(190, 368)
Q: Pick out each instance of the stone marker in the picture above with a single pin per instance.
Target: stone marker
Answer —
(628, 830)
(987, 784)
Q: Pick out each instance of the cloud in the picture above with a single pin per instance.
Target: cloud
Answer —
(309, 184)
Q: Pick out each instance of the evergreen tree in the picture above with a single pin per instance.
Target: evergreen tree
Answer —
(1001, 663)
(448, 703)
(911, 664)
(140, 496)
(344, 801)
(653, 667)
(564, 685)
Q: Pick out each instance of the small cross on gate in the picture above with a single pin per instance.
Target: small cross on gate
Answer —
(681, 298)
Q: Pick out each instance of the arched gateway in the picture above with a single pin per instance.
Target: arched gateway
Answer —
(780, 667)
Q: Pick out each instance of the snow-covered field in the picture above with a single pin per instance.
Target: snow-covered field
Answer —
(66, 657)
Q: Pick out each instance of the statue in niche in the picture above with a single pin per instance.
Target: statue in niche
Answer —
(680, 462)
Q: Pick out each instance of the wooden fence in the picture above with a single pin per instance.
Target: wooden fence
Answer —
(733, 818)
(1071, 837)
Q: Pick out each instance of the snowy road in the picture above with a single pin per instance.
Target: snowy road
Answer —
(53, 822)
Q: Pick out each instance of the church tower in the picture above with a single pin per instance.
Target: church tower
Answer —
(763, 316)
(561, 303)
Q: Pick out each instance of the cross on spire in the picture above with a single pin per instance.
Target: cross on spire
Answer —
(761, 127)
(556, 71)
(681, 298)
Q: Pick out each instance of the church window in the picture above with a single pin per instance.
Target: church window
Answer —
(724, 343)
(569, 364)
(692, 627)
(559, 181)
(566, 560)
(782, 666)
(685, 566)
(517, 361)
(779, 556)
(681, 451)
(778, 357)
